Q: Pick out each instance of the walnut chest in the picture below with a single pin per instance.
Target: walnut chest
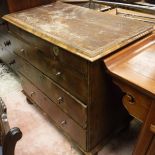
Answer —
(57, 51)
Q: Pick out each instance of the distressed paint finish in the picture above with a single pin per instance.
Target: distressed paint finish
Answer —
(84, 32)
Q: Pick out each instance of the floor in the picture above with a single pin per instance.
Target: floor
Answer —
(40, 137)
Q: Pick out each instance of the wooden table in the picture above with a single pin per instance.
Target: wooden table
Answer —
(57, 49)
(133, 70)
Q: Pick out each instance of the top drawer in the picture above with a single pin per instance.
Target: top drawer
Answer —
(53, 52)
(73, 81)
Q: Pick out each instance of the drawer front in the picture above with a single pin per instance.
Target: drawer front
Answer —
(72, 81)
(136, 103)
(53, 52)
(55, 113)
(68, 103)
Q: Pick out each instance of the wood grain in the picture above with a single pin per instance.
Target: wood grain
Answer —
(136, 64)
(84, 32)
(133, 69)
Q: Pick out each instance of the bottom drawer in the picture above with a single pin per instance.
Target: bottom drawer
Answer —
(63, 121)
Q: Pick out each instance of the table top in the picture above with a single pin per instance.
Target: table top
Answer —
(84, 32)
(136, 65)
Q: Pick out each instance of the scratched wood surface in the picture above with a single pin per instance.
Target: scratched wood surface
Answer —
(136, 65)
(84, 32)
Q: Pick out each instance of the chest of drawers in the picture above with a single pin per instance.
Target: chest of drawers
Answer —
(58, 55)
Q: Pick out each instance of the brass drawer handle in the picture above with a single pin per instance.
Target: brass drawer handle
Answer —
(12, 62)
(22, 50)
(56, 50)
(152, 128)
(32, 93)
(7, 43)
(63, 122)
(60, 100)
(58, 74)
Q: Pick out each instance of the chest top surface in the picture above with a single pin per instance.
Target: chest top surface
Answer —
(84, 32)
(136, 67)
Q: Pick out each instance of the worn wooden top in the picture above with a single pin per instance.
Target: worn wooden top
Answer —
(84, 32)
(136, 65)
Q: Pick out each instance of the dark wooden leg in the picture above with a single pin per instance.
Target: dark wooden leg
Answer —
(146, 135)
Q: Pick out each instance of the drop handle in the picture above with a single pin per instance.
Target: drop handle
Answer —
(32, 93)
(60, 100)
(58, 74)
(22, 50)
(152, 128)
(63, 122)
(7, 43)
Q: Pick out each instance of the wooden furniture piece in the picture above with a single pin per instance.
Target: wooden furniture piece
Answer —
(8, 137)
(133, 70)
(57, 50)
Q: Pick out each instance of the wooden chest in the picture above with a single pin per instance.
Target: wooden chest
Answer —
(57, 50)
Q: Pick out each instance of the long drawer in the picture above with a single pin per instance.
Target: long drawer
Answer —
(73, 107)
(58, 54)
(71, 80)
(55, 113)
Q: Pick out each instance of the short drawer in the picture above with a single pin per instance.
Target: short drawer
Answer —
(135, 102)
(54, 52)
(73, 107)
(73, 130)
(74, 82)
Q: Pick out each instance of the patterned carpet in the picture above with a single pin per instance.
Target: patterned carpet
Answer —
(40, 137)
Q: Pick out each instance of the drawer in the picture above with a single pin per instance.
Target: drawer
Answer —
(135, 102)
(55, 53)
(72, 81)
(73, 130)
(73, 107)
